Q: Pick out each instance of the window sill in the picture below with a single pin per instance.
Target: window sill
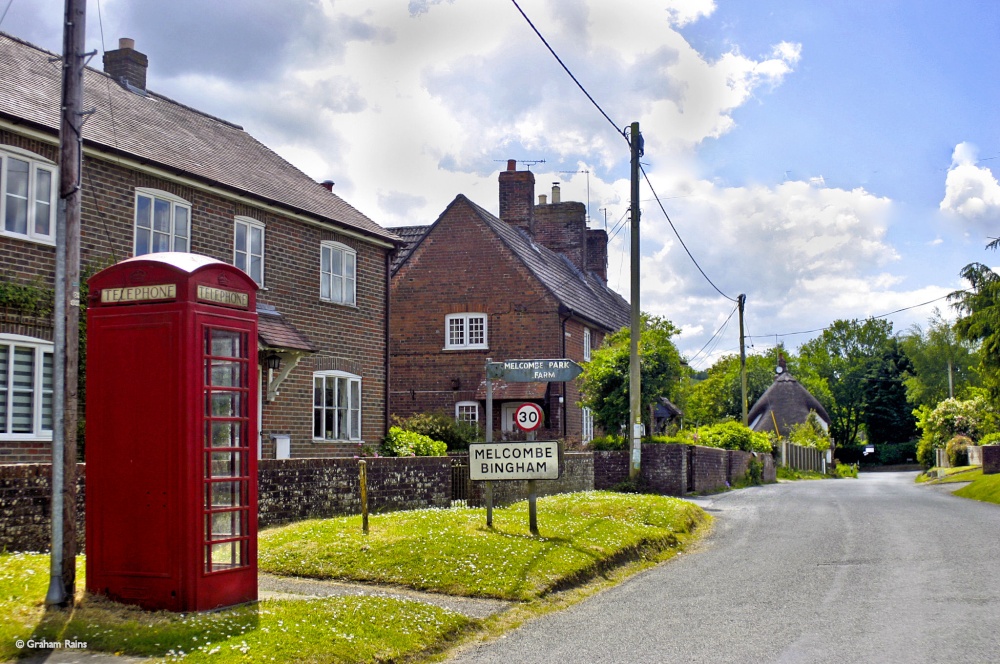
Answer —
(25, 238)
(464, 348)
(339, 304)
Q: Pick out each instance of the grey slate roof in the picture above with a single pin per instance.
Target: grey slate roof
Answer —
(789, 401)
(160, 131)
(411, 236)
(585, 294)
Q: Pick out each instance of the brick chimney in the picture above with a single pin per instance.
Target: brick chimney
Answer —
(517, 197)
(562, 227)
(597, 253)
(127, 65)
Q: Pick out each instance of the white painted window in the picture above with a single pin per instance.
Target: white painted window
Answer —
(467, 411)
(465, 331)
(338, 277)
(248, 247)
(588, 425)
(26, 381)
(336, 406)
(586, 344)
(162, 222)
(28, 185)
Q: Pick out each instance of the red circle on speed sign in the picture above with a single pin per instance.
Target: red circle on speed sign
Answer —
(528, 416)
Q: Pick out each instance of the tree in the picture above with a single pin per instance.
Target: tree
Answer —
(979, 320)
(717, 398)
(604, 382)
(841, 357)
(943, 364)
(888, 416)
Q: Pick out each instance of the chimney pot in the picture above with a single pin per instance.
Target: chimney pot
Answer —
(328, 184)
(556, 193)
(512, 164)
(541, 199)
(125, 42)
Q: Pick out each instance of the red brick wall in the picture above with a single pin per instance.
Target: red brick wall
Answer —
(462, 266)
(562, 227)
(352, 338)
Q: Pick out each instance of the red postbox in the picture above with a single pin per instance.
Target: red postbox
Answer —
(171, 413)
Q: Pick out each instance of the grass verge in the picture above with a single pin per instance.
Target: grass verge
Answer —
(951, 475)
(452, 551)
(589, 541)
(985, 488)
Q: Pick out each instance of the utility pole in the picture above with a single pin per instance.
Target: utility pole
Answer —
(634, 386)
(62, 585)
(741, 301)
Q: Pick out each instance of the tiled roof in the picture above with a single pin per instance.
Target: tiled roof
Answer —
(585, 294)
(160, 131)
(411, 236)
(274, 332)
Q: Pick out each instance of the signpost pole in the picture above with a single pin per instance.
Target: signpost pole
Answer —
(532, 496)
(489, 439)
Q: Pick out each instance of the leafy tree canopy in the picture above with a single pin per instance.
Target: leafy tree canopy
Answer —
(979, 320)
(943, 364)
(604, 382)
(717, 398)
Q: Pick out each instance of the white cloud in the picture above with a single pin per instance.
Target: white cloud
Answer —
(972, 193)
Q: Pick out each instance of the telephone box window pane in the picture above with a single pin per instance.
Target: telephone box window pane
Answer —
(225, 404)
(224, 464)
(223, 525)
(224, 556)
(226, 434)
(224, 343)
(227, 374)
(224, 494)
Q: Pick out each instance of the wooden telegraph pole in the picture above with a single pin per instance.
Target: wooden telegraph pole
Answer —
(634, 386)
(741, 301)
(67, 310)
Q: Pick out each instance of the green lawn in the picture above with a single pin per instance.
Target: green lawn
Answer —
(951, 475)
(582, 535)
(984, 487)
(452, 551)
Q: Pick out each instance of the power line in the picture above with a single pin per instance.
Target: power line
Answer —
(886, 315)
(679, 239)
(694, 358)
(5, 10)
(578, 84)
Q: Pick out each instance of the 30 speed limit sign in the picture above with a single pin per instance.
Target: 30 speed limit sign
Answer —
(528, 416)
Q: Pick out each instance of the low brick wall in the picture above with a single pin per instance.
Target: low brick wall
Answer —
(288, 490)
(610, 468)
(709, 469)
(664, 468)
(297, 489)
(991, 459)
(576, 473)
(25, 506)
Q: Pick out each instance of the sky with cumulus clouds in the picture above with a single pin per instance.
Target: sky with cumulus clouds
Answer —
(828, 159)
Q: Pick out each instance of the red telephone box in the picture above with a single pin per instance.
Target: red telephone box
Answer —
(171, 413)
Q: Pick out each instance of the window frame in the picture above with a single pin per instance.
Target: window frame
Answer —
(586, 344)
(467, 404)
(251, 225)
(35, 163)
(355, 415)
(587, 425)
(175, 202)
(347, 283)
(465, 319)
(40, 348)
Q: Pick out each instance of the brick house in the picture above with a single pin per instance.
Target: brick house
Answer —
(471, 286)
(160, 176)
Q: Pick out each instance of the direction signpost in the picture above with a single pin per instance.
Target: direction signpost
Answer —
(528, 418)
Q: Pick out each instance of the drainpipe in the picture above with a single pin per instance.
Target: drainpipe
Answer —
(388, 300)
(565, 408)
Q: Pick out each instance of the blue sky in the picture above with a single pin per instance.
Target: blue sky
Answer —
(828, 159)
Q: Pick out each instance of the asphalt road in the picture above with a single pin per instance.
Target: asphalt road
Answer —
(876, 569)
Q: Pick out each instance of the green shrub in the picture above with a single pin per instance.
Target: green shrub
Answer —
(891, 454)
(971, 418)
(609, 442)
(845, 470)
(957, 450)
(400, 443)
(755, 471)
(441, 426)
(678, 439)
(990, 439)
(732, 436)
